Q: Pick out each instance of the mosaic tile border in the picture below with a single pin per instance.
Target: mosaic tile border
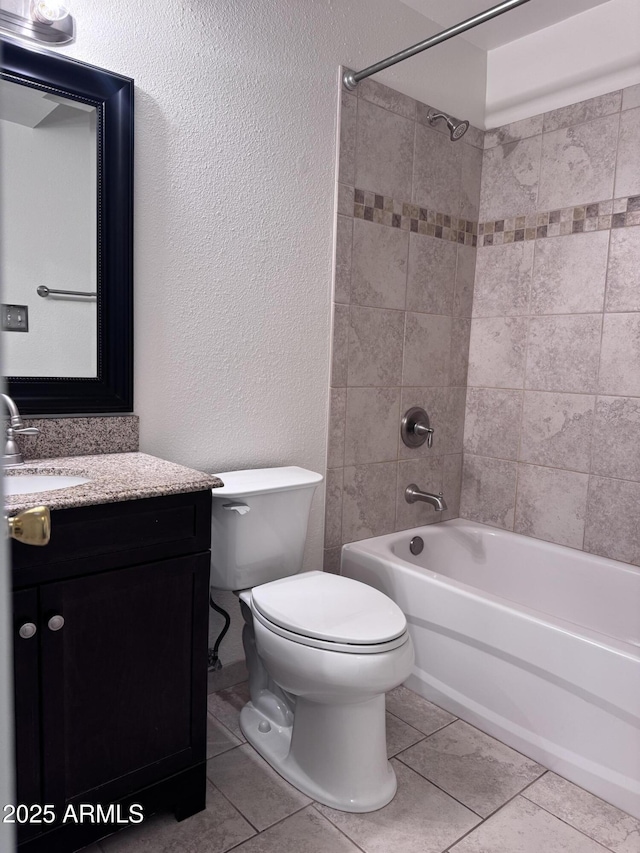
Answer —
(599, 216)
(412, 217)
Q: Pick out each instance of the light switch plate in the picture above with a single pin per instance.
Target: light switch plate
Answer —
(15, 318)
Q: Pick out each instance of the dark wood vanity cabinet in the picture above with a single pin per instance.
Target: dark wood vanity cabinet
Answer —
(110, 691)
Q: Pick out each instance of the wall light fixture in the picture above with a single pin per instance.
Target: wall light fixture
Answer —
(44, 21)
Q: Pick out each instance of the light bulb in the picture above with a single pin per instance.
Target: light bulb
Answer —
(50, 11)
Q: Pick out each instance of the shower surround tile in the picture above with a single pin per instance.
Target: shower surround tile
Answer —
(615, 438)
(375, 346)
(551, 504)
(623, 275)
(510, 175)
(427, 350)
(369, 501)
(513, 132)
(344, 242)
(432, 274)
(465, 275)
(620, 356)
(340, 345)
(557, 430)
(347, 157)
(460, 340)
(569, 274)
(563, 353)
(470, 182)
(436, 171)
(578, 163)
(384, 151)
(603, 105)
(379, 265)
(368, 406)
(628, 165)
(492, 422)
(333, 508)
(488, 491)
(381, 95)
(497, 352)
(631, 97)
(611, 528)
(404, 275)
(503, 280)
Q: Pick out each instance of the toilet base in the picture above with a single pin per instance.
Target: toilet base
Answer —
(350, 772)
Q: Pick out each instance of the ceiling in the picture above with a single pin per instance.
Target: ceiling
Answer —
(521, 21)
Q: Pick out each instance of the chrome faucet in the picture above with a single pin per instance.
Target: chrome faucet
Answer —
(412, 494)
(12, 455)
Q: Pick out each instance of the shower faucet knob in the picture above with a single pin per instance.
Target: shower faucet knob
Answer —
(415, 428)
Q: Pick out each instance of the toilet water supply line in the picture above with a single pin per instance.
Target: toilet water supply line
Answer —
(352, 78)
(214, 661)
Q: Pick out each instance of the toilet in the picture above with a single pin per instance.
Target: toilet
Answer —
(322, 650)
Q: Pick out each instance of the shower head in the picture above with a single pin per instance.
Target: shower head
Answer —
(457, 129)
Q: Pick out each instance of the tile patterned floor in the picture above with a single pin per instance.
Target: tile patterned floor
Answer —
(459, 791)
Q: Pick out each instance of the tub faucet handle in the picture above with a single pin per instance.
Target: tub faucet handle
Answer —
(415, 428)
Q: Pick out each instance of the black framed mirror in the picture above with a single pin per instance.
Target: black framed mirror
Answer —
(107, 386)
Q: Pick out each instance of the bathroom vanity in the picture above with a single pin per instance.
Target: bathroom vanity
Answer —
(110, 646)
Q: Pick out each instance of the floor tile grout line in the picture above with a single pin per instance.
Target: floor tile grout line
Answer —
(492, 814)
(258, 831)
(566, 822)
(315, 805)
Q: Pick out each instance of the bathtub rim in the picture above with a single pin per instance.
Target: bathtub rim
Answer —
(377, 547)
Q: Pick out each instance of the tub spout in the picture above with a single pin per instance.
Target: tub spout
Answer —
(412, 494)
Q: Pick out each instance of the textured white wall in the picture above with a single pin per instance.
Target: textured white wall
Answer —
(585, 56)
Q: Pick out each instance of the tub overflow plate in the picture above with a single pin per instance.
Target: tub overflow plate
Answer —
(416, 545)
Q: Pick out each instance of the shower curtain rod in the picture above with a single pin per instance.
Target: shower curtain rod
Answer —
(352, 78)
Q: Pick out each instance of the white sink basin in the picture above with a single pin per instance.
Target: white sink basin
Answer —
(27, 484)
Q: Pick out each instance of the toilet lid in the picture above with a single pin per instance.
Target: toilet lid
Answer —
(330, 607)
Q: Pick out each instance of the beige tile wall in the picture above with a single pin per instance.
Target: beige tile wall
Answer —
(405, 264)
(552, 432)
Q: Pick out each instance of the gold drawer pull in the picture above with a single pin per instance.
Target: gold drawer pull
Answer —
(31, 527)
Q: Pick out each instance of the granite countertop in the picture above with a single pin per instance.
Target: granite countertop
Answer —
(112, 477)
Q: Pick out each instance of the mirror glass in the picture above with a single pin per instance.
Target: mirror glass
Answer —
(48, 160)
(66, 226)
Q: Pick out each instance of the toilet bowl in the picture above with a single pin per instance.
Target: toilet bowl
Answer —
(322, 650)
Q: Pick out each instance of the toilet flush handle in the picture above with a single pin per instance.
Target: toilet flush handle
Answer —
(240, 508)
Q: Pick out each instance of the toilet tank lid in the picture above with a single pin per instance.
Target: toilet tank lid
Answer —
(330, 607)
(257, 481)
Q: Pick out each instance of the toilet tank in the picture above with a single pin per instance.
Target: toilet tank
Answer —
(259, 524)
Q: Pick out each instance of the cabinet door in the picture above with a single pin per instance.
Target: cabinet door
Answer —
(27, 699)
(124, 678)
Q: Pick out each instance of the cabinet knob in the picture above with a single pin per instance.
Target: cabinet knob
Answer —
(55, 623)
(32, 527)
(27, 630)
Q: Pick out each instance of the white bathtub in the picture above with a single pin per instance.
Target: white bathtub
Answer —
(536, 644)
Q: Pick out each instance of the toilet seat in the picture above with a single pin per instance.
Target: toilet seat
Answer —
(330, 612)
